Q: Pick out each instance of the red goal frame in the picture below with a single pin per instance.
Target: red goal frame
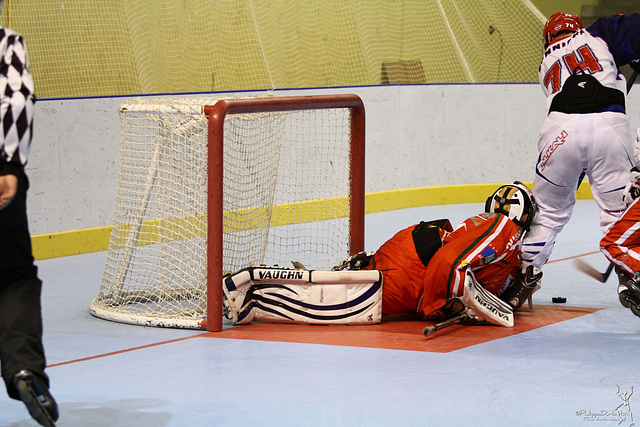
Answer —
(216, 116)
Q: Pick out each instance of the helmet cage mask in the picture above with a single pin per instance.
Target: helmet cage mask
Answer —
(515, 201)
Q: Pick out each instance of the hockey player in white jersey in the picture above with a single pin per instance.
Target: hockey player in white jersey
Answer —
(586, 129)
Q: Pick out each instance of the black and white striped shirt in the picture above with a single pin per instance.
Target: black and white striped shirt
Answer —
(16, 99)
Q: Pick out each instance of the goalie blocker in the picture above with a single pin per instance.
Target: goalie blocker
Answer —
(481, 304)
(275, 294)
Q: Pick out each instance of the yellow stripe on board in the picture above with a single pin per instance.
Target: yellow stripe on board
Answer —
(68, 243)
(179, 228)
(77, 242)
(286, 214)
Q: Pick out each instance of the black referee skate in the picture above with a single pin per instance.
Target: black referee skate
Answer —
(36, 397)
(629, 291)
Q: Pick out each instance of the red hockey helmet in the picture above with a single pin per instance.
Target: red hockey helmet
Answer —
(559, 22)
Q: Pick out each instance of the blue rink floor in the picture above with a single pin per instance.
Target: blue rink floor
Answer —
(578, 372)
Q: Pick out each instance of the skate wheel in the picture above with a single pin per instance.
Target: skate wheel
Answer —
(624, 299)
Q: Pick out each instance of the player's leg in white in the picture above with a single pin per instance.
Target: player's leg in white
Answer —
(555, 204)
(609, 166)
(554, 187)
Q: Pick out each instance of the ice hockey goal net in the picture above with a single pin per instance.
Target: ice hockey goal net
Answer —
(208, 186)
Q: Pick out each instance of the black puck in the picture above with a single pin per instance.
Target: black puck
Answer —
(559, 300)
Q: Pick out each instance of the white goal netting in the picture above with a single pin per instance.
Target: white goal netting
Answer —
(286, 198)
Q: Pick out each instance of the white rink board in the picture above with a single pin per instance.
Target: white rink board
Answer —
(417, 136)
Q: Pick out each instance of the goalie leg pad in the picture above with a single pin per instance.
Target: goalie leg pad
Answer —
(329, 297)
(311, 297)
(238, 298)
(483, 305)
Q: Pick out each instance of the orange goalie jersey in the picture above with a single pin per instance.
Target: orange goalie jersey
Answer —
(488, 242)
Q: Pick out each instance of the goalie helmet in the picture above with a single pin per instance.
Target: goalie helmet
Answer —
(559, 22)
(515, 201)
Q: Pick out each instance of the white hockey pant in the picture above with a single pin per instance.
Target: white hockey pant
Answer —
(569, 144)
(284, 295)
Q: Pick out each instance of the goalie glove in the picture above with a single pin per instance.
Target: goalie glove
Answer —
(455, 307)
(632, 189)
(359, 261)
(523, 287)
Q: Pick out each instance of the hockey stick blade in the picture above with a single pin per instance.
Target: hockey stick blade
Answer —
(592, 272)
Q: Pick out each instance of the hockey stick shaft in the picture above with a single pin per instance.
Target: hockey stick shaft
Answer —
(452, 321)
(592, 272)
(606, 274)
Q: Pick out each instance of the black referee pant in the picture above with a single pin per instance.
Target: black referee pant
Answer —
(20, 311)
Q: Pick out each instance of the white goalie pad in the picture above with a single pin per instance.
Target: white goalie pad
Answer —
(484, 305)
(274, 294)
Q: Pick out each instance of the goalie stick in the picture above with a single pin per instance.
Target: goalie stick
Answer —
(476, 303)
(592, 272)
(452, 321)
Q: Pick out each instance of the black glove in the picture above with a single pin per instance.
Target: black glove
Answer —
(359, 261)
(632, 189)
(523, 287)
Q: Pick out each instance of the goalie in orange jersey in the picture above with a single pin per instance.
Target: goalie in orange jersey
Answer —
(424, 265)
(425, 270)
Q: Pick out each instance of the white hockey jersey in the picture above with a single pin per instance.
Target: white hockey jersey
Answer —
(598, 50)
(16, 99)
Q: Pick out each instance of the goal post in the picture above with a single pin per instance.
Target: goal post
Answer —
(217, 114)
(213, 185)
